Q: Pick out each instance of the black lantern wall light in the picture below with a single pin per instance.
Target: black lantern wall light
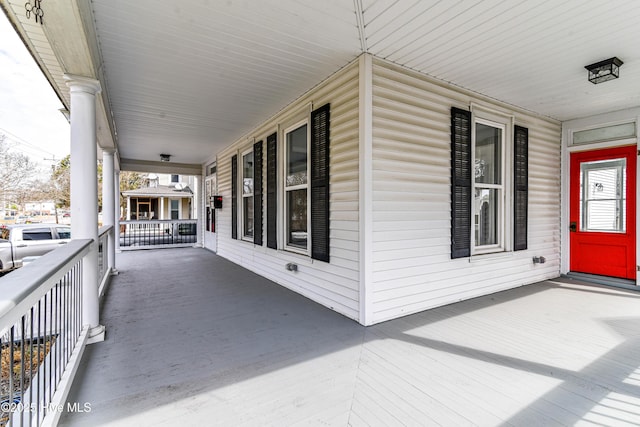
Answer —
(603, 71)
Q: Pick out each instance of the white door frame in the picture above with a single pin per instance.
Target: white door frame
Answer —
(568, 128)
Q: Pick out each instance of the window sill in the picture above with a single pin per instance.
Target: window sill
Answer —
(297, 251)
(490, 256)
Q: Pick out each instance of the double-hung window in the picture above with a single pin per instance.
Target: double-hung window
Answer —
(175, 208)
(489, 184)
(296, 185)
(247, 195)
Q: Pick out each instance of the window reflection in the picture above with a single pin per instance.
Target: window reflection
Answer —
(486, 221)
(297, 218)
(297, 157)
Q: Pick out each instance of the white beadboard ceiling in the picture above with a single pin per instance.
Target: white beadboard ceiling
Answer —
(188, 77)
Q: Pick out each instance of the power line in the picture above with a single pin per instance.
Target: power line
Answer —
(22, 141)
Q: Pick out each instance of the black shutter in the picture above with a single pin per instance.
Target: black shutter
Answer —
(520, 187)
(272, 191)
(257, 193)
(460, 183)
(320, 119)
(234, 197)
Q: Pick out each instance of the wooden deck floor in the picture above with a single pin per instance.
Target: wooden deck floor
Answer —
(195, 340)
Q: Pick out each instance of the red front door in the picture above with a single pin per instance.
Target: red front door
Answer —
(603, 212)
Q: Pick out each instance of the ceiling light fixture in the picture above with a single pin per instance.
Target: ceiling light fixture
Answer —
(603, 71)
(165, 157)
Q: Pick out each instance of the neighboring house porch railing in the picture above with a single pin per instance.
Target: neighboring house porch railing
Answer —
(153, 234)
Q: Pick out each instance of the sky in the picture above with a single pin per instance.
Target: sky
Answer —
(29, 108)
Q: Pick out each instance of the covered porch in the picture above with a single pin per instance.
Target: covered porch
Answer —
(193, 339)
(391, 94)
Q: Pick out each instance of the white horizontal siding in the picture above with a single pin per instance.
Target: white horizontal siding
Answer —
(334, 284)
(412, 267)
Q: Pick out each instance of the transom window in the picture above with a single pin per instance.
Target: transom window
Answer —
(488, 183)
(296, 187)
(247, 195)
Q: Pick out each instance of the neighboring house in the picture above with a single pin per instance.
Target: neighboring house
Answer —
(8, 213)
(171, 200)
(40, 208)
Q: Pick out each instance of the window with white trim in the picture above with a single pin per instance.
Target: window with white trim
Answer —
(489, 183)
(296, 186)
(489, 202)
(247, 195)
(174, 207)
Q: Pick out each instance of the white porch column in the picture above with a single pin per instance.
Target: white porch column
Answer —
(161, 215)
(84, 192)
(108, 208)
(128, 208)
(117, 212)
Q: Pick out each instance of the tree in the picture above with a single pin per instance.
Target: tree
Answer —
(61, 182)
(130, 181)
(17, 172)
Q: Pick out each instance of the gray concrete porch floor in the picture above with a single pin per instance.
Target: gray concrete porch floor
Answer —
(195, 340)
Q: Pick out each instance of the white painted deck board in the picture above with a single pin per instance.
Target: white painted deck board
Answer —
(203, 341)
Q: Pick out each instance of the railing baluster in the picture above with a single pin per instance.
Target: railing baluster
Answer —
(11, 357)
(44, 362)
(22, 362)
(55, 313)
(67, 346)
(39, 361)
(31, 371)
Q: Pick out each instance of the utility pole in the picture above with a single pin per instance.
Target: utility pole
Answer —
(55, 202)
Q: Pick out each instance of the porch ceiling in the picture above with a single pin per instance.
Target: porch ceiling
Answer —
(187, 78)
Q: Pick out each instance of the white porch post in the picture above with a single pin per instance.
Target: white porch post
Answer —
(84, 192)
(108, 208)
(161, 216)
(117, 212)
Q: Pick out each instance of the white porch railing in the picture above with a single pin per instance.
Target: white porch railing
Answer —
(42, 335)
(154, 234)
(104, 270)
(42, 331)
